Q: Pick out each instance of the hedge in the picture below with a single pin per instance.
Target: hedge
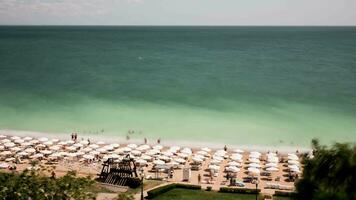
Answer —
(239, 190)
(284, 194)
(158, 191)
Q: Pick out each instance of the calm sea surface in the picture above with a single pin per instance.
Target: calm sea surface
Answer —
(234, 85)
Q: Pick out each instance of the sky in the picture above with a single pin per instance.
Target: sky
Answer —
(178, 12)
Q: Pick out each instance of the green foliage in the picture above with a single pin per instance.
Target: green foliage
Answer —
(278, 193)
(30, 185)
(209, 188)
(239, 190)
(125, 196)
(331, 174)
(157, 191)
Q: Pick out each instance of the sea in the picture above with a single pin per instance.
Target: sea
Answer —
(261, 86)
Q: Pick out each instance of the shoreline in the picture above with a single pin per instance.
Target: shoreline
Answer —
(167, 142)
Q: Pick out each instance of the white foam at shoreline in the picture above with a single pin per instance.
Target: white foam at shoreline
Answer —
(121, 140)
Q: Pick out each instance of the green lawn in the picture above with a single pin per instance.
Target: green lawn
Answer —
(184, 194)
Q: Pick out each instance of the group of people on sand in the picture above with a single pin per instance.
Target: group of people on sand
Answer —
(74, 137)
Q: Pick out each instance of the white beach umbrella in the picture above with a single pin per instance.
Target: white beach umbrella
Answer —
(215, 162)
(273, 160)
(254, 165)
(220, 153)
(114, 156)
(9, 144)
(218, 158)
(15, 149)
(84, 142)
(79, 145)
(4, 165)
(254, 156)
(293, 157)
(100, 143)
(46, 152)
(238, 151)
(87, 149)
(174, 149)
(233, 163)
(115, 145)
(62, 143)
(254, 160)
(158, 162)
(271, 165)
(255, 153)
(206, 149)
(40, 146)
(182, 155)
(186, 151)
(159, 147)
(55, 148)
(197, 159)
(141, 162)
(2, 147)
(94, 152)
(6, 153)
(22, 153)
(108, 148)
(136, 152)
(214, 167)
(71, 148)
(293, 162)
(144, 147)
(69, 142)
(167, 153)
(102, 150)
(72, 155)
(202, 153)
(94, 146)
(5, 141)
(48, 143)
(38, 155)
(19, 141)
(80, 153)
(43, 139)
(35, 141)
(30, 150)
(165, 158)
(27, 138)
(146, 157)
(253, 170)
(88, 157)
(232, 169)
(180, 160)
(127, 149)
(2, 136)
(293, 167)
(26, 144)
(272, 169)
(132, 146)
(295, 170)
(55, 140)
(15, 138)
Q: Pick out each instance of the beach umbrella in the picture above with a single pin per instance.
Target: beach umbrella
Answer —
(79, 145)
(15, 149)
(220, 153)
(215, 162)
(126, 149)
(159, 147)
(273, 160)
(182, 155)
(102, 150)
(69, 142)
(253, 170)
(46, 152)
(293, 167)
(87, 149)
(2, 136)
(165, 158)
(108, 147)
(43, 139)
(141, 162)
(27, 138)
(4, 166)
(174, 149)
(254, 165)
(94, 152)
(88, 157)
(232, 169)
(62, 143)
(26, 144)
(115, 145)
(202, 153)
(218, 158)
(22, 153)
(71, 148)
(197, 159)
(132, 146)
(293, 162)
(206, 149)
(272, 169)
(180, 160)
(5, 141)
(72, 155)
(114, 156)
(9, 145)
(255, 153)
(30, 150)
(158, 162)
(55, 140)
(6, 153)
(292, 157)
(295, 170)
(271, 165)
(167, 153)
(236, 159)
(40, 146)
(254, 160)
(2, 147)
(55, 148)
(80, 153)
(143, 147)
(48, 143)
(236, 155)
(38, 155)
(233, 163)
(100, 143)
(254, 156)
(15, 138)
(214, 167)
(238, 151)
(136, 152)
(35, 141)
(19, 141)
(94, 146)
(186, 151)
(146, 157)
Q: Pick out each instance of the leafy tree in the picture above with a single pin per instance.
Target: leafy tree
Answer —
(31, 185)
(331, 174)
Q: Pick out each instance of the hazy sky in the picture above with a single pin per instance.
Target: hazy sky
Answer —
(178, 12)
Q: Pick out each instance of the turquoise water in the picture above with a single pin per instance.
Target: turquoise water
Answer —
(235, 85)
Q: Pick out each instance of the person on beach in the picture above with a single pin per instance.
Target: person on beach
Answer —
(159, 141)
(88, 141)
(75, 137)
(145, 140)
(72, 136)
(225, 148)
(127, 137)
(199, 178)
